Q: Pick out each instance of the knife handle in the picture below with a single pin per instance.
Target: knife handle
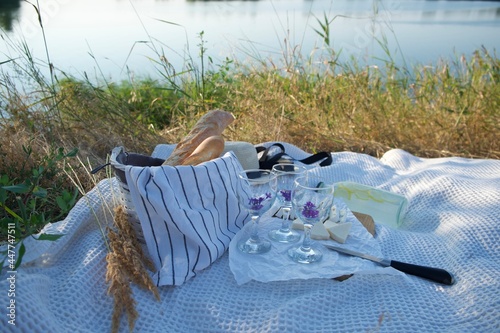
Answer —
(431, 273)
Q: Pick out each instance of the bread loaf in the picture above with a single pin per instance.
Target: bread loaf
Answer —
(210, 124)
(212, 147)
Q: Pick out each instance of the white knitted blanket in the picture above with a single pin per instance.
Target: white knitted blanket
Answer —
(453, 222)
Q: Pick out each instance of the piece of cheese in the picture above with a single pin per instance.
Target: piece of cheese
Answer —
(342, 215)
(318, 231)
(334, 214)
(297, 224)
(339, 231)
(329, 223)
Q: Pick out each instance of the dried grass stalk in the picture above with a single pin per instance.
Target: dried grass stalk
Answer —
(123, 224)
(119, 287)
(126, 264)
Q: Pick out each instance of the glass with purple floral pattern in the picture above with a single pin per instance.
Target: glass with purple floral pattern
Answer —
(257, 195)
(287, 173)
(312, 199)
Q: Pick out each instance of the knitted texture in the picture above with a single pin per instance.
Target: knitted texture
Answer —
(452, 223)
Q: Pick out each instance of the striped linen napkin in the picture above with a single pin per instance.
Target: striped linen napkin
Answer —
(188, 214)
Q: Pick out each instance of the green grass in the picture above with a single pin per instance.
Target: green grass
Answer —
(451, 109)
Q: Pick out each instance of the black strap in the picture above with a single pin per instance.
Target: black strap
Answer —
(99, 168)
(267, 163)
(326, 157)
(265, 151)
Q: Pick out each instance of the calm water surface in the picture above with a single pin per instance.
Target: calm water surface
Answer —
(117, 37)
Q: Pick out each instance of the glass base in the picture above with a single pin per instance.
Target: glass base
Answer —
(305, 256)
(289, 236)
(254, 247)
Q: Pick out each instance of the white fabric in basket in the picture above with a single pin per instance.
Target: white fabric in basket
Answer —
(188, 214)
(452, 223)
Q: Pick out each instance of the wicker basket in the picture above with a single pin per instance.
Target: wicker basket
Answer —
(119, 160)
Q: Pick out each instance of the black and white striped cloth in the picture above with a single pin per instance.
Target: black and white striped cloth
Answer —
(189, 214)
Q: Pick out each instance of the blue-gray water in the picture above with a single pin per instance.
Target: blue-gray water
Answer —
(121, 36)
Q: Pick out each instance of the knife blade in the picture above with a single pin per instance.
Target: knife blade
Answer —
(430, 273)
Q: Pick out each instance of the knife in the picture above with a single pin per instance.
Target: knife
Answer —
(430, 273)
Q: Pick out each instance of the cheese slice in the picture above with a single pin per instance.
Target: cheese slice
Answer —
(342, 215)
(297, 224)
(330, 223)
(318, 231)
(339, 231)
(334, 214)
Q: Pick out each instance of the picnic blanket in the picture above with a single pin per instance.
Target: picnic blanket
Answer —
(453, 222)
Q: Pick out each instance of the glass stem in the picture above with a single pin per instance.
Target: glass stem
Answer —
(306, 243)
(285, 223)
(254, 234)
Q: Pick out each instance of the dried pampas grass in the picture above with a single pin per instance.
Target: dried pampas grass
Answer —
(119, 287)
(126, 264)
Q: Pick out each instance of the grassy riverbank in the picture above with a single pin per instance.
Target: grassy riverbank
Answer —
(448, 110)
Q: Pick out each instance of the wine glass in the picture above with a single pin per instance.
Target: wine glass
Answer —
(286, 175)
(312, 199)
(257, 195)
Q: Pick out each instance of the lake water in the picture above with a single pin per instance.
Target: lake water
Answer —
(116, 37)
